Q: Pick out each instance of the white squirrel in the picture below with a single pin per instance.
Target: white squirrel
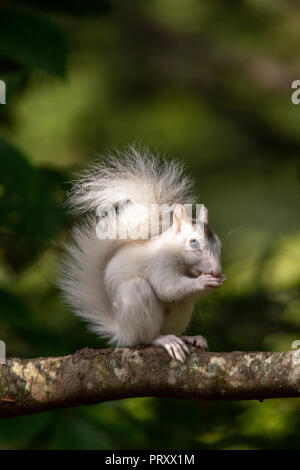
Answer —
(140, 291)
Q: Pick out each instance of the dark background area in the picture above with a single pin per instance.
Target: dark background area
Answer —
(207, 82)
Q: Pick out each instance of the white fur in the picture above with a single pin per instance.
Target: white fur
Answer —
(134, 174)
(133, 292)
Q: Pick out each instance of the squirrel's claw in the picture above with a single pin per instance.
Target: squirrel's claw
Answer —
(198, 341)
(174, 346)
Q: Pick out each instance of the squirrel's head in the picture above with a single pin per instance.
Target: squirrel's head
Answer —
(200, 246)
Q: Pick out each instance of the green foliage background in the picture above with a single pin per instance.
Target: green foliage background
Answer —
(207, 82)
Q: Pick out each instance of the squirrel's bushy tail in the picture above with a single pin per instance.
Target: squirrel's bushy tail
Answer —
(133, 175)
(81, 278)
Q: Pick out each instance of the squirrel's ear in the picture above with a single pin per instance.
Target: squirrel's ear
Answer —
(203, 215)
(180, 217)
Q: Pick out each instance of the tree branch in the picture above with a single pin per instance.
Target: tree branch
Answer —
(92, 376)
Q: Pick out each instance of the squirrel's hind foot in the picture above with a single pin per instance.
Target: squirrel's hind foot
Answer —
(198, 341)
(174, 346)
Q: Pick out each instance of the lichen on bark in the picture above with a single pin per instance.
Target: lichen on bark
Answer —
(93, 376)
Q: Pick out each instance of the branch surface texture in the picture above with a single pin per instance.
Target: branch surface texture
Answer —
(92, 376)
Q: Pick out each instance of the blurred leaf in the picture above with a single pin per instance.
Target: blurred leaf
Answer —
(22, 323)
(13, 311)
(49, 210)
(16, 79)
(18, 193)
(14, 76)
(18, 188)
(30, 214)
(15, 82)
(32, 39)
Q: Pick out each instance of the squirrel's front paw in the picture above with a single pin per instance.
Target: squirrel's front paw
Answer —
(173, 345)
(208, 281)
(198, 341)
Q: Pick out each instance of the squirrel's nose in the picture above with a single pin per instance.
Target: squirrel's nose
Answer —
(216, 272)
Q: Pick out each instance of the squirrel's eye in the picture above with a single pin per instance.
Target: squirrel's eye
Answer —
(194, 244)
